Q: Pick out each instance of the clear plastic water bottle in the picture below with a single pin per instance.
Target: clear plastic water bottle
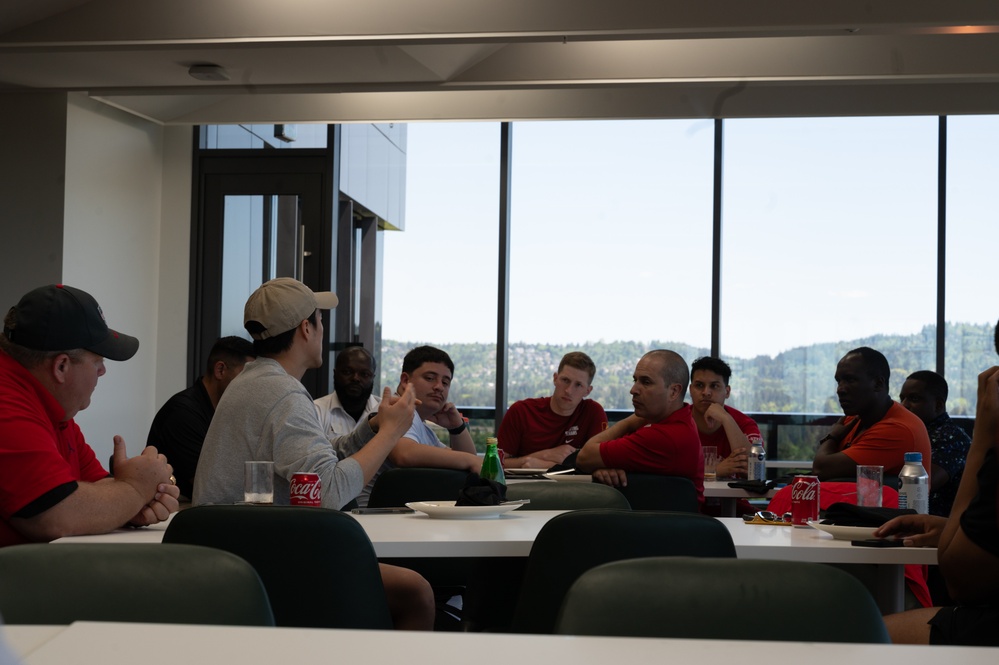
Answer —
(914, 491)
(757, 460)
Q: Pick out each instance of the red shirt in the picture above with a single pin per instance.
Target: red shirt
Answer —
(530, 426)
(39, 450)
(670, 447)
(719, 439)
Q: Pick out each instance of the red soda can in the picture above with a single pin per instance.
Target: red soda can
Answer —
(306, 489)
(804, 500)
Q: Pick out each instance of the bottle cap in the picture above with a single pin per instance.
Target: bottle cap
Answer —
(914, 457)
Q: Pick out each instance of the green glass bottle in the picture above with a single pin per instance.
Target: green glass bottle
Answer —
(492, 468)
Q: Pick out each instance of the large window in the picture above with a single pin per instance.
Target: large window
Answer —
(972, 305)
(829, 243)
(610, 248)
(440, 273)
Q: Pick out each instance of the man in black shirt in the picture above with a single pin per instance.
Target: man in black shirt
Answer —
(180, 426)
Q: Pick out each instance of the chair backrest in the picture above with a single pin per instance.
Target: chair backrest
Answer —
(722, 599)
(148, 583)
(648, 491)
(566, 496)
(397, 487)
(317, 565)
(572, 543)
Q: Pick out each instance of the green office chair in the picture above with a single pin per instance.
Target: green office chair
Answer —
(649, 491)
(722, 599)
(317, 565)
(566, 496)
(448, 577)
(145, 583)
(574, 542)
(399, 486)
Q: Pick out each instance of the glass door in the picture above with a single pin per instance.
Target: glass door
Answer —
(260, 217)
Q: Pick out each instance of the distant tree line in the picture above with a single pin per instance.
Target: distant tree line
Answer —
(799, 380)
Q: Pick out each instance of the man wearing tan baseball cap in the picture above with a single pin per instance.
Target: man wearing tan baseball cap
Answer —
(53, 345)
(266, 414)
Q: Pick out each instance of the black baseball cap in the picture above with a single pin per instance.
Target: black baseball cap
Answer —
(58, 317)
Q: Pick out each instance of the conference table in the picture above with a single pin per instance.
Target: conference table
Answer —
(416, 535)
(170, 644)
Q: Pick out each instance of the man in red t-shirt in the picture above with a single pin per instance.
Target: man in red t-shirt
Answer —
(53, 345)
(719, 425)
(660, 437)
(539, 432)
(875, 429)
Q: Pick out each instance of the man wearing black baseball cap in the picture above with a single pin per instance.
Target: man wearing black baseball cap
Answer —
(52, 353)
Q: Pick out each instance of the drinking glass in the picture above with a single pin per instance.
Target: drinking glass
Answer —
(710, 463)
(258, 482)
(869, 479)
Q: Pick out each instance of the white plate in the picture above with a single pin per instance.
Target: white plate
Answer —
(569, 477)
(846, 532)
(446, 510)
(524, 472)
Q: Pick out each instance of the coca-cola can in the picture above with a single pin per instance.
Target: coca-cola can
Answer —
(306, 489)
(804, 500)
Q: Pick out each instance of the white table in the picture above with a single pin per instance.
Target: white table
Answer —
(170, 644)
(512, 535)
(785, 543)
(730, 495)
(22, 640)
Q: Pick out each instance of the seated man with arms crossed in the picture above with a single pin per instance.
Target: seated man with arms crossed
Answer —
(53, 345)
(660, 437)
(179, 428)
(427, 371)
(874, 430)
(351, 400)
(267, 414)
(539, 432)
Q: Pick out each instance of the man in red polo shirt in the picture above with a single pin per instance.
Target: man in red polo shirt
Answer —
(660, 437)
(53, 345)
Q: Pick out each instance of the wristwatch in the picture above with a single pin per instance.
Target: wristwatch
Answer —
(459, 429)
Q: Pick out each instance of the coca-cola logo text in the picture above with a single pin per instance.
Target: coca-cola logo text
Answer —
(804, 491)
(308, 490)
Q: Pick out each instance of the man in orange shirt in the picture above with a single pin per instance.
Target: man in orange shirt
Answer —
(875, 429)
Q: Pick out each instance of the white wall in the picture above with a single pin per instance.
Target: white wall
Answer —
(126, 233)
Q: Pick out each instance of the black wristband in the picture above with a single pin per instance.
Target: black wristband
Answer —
(827, 437)
(459, 429)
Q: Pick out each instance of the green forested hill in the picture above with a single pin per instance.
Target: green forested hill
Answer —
(798, 380)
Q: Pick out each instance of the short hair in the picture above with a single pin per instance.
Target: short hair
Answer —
(712, 364)
(580, 361)
(426, 354)
(874, 362)
(30, 358)
(935, 384)
(352, 351)
(272, 346)
(232, 350)
(674, 367)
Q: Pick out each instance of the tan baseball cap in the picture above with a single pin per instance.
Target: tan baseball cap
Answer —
(280, 305)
